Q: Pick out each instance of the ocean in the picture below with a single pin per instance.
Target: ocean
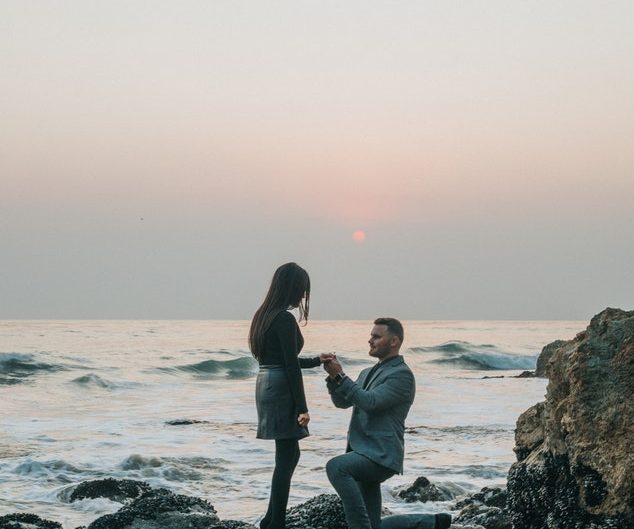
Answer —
(172, 403)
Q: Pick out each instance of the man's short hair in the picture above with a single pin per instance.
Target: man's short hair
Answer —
(394, 327)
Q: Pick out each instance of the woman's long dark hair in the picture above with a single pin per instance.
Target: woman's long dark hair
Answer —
(290, 287)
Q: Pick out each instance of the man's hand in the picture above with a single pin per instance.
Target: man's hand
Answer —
(324, 358)
(333, 367)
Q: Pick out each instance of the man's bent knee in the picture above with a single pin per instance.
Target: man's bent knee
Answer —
(331, 469)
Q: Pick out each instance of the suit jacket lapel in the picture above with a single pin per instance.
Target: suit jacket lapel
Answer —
(373, 377)
(381, 368)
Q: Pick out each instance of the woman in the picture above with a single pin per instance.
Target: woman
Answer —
(275, 341)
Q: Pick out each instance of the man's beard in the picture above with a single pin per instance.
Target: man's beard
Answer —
(380, 352)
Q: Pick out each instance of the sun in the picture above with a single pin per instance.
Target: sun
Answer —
(359, 236)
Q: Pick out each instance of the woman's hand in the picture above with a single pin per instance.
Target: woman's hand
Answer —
(303, 419)
(326, 357)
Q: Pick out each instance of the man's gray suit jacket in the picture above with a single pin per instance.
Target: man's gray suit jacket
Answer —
(377, 425)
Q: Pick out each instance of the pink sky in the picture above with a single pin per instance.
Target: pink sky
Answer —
(244, 118)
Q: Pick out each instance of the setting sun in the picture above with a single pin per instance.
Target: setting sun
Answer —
(359, 236)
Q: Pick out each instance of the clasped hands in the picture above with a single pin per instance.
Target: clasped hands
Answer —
(332, 366)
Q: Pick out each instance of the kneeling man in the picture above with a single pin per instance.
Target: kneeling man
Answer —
(380, 398)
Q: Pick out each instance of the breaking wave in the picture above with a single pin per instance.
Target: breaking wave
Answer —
(466, 355)
(236, 368)
(171, 468)
(91, 380)
(15, 367)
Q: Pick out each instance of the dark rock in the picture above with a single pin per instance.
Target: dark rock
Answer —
(547, 495)
(416, 521)
(495, 497)
(424, 490)
(26, 521)
(120, 490)
(541, 370)
(526, 374)
(489, 497)
(232, 524)
(575, 458)
(593, 488)
(530, 430)
(161, 509)
(487, 517)
(184, 422)
(321, 512)
(486, 508)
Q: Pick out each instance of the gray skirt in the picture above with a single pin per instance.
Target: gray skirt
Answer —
(277, 413)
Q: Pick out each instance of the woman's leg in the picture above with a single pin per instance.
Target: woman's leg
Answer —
(286, 458)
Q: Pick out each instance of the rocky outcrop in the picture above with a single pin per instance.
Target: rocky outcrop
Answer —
(482, 516)
(26, 521)
(232, 524)
(490, 497)
(184, 422)
(575, 451)
(424, 490)
(321, 512)
(486, 508)
(326, 512)
(120, 490)
(541, 370)
(161, 509)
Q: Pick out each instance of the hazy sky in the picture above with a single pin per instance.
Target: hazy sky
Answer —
(160, 159)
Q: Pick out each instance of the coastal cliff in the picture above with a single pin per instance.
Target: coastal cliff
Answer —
(575, 450)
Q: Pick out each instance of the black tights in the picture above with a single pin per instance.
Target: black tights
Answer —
(286, 458)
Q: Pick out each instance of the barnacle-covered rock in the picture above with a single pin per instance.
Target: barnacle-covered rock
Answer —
(575, 451)
(486, 508)
(120, 490)
(321, 512)
(161, 509)
(26, 521)
(424, 490)
(232, 524)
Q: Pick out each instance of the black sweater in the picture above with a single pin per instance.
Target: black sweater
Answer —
(283, 342)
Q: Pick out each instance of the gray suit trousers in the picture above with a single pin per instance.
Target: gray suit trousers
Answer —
(358, 480)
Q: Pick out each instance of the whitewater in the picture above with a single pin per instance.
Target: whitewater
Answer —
(172, 403)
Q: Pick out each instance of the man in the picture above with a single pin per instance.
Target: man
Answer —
(380, 398)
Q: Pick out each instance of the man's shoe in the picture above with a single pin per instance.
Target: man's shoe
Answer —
(443, 520)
